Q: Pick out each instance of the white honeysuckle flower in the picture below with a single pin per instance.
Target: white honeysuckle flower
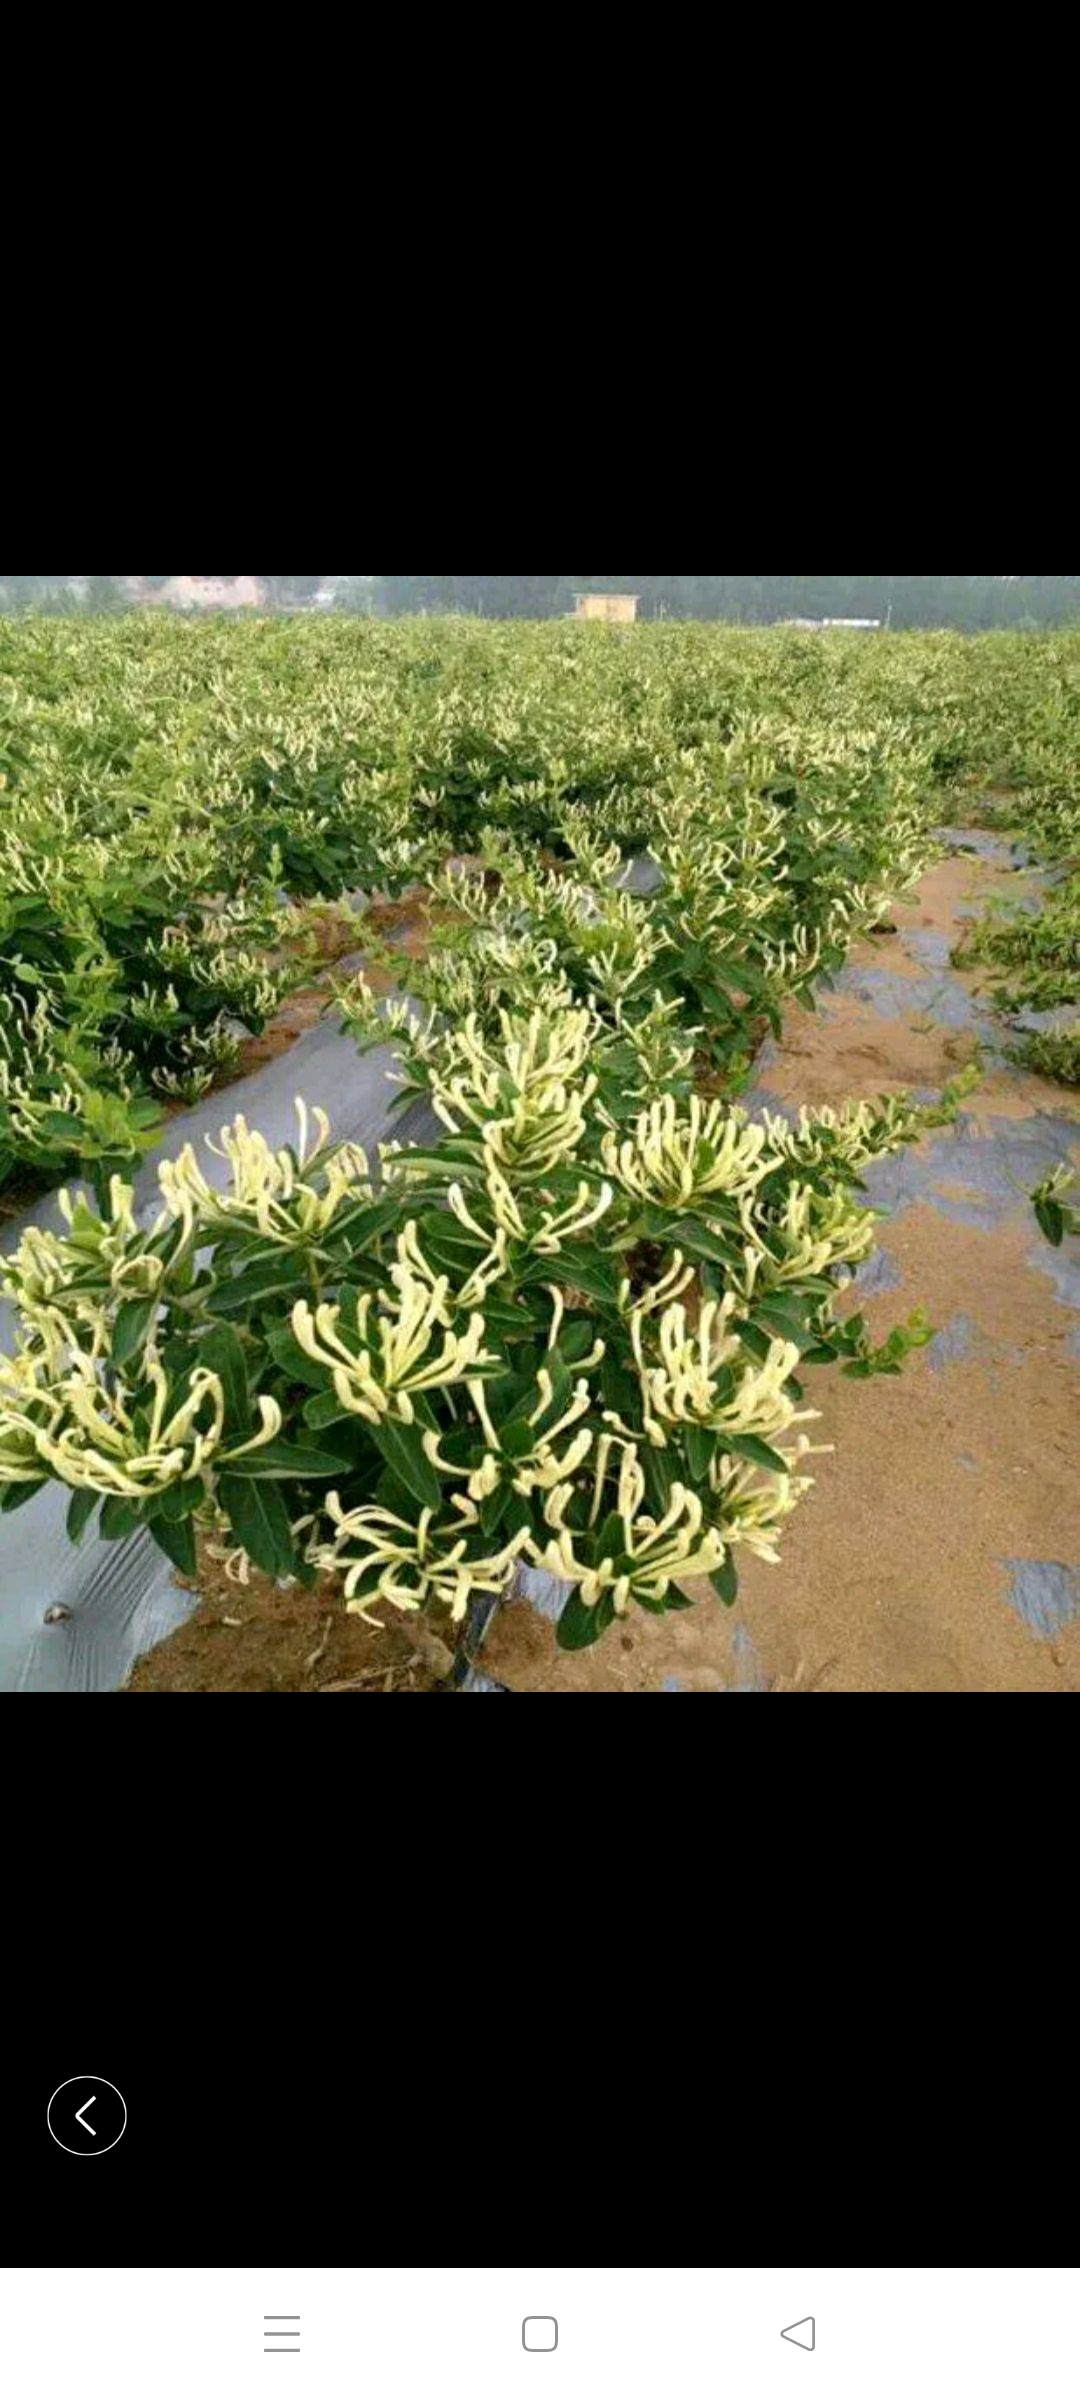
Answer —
(235, 1561)
(269, 1187)
(417, 1563)
(504, 1208)
(554, 1227)
(100, 1449)
(537, 1469)
(755, 1505)
(669, 1286)
(850, 1136)
(558, 1226)
(812, 1233)
(490, 1270)
(660, 1551)
(394, 1357)
(681, 1154)
(558, 1305)
(795, 961)
(1057, 1186)
(526, 1096)
(690, 1380)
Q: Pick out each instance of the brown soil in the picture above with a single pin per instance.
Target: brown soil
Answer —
(255, 1638)
(893, 1574)
(401, 921)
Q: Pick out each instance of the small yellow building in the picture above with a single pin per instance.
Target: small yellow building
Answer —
(610, 608)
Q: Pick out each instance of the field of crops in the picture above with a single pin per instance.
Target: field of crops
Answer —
(579, 1330)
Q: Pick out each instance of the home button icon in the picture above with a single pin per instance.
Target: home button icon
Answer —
(540, 2333)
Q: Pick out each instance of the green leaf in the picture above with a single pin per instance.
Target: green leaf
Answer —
(177, 1540)
(610, 1539)
(223, 1352)
(118, 1517)
(519, 1514)
(294, 1362)
(326, 1409)
(239, 1295)
(291, 1460)
(81, 1507)
(621, 1389)
(494, 1508)
(700, 1447)
(505, 1316)
(690, 1235)
(260, 1521)
(725, 1582)
(133, 1321)
(562, 1384)
(747, 1445)
(577, 1336)
(180, 1500)
(659, 1471)
(1051, 1220)
(16, 1495)
(786, 1323)
(451, 1248)
(588, 1274)
(362, 1225)
(517, 1438)
(389, 1492)
(401, 1447)
(579, 1627)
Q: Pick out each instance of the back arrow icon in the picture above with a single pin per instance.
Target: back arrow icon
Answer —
(80, 2115)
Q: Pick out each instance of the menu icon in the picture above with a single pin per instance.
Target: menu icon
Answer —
(281, 2337)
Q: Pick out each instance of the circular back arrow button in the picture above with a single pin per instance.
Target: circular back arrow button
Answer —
(86, 2115)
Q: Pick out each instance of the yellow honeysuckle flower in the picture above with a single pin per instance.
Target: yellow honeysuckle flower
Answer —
(269, 1188)
(682, 1382)
(418, 1563)
(659, 1551)
(679, 1155)
(394, 1357)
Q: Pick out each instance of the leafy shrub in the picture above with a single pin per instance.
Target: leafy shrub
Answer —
(570, 1333)
(1056, 1054)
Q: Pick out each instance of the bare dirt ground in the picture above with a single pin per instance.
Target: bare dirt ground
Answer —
(255, 1638)
(940, 1550)
(338, 939)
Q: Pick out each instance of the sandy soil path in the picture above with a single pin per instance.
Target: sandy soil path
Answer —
(940, 1550)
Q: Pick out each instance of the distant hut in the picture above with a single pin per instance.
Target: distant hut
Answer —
(608, 608)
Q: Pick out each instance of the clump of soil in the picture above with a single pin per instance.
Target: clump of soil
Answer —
(255, 1638)
(296, 1015)
(397, 921)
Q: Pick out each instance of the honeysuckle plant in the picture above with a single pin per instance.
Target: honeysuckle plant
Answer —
(577, 1331)
(571, 1333)
(173, 797)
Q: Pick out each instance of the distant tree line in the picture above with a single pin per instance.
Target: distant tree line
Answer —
(974, 603)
